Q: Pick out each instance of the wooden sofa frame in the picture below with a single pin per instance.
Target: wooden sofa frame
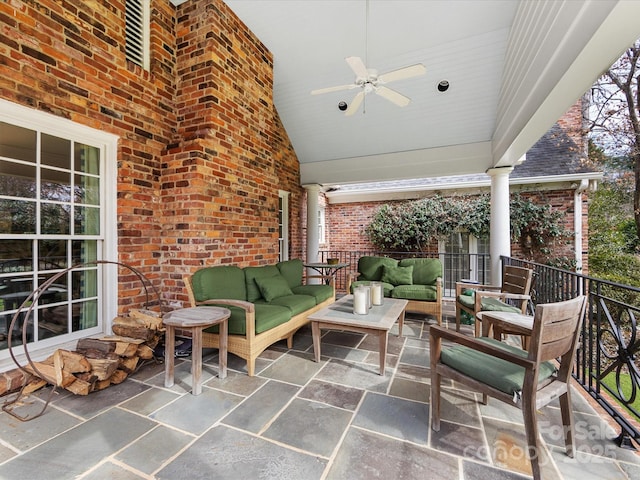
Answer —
(250, 346)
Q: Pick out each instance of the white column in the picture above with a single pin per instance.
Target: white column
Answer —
(500, 227)
(577, 222)
(313, 240)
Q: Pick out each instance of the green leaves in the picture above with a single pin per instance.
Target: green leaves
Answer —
(413, 225)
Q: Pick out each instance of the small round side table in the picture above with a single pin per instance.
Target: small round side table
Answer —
(195, 319)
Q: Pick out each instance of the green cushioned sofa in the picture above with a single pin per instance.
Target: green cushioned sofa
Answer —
(267, 303)
(418, 280)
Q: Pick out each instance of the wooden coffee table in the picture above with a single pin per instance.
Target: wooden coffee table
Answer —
(340, 316)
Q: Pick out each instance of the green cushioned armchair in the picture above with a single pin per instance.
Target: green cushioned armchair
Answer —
(511, 296)
(527, 380)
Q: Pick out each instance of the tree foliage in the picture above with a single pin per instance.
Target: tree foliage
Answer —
(615, 117)
(413, 225)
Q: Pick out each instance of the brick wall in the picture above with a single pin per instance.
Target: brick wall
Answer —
(202, 153)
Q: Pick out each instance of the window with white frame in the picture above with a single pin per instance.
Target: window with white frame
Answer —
(283, 225)
(322, 225)
(137, 32)
(54, 182)
(465, 258)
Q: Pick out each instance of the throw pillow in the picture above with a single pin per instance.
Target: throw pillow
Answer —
(398, 275)
(273, 287)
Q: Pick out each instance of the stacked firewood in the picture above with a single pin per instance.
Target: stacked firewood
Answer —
(100, 362)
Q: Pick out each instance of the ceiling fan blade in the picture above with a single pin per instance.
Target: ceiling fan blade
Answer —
(358, 67)
(393, 96)
(333, 89)
(402, 73)
(355, 104)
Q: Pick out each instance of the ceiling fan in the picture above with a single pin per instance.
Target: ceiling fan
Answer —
(368, 80)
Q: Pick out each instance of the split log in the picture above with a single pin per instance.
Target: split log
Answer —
(152, 319)
(87, 377)
(33, 385)
(95, 344)
(101, 385)
(80, 387)
(145, 352)
(118, 376)
(125, 346)
(129, 364)
(73, 362)
(140, 332)
(49, 373)
(103, 368)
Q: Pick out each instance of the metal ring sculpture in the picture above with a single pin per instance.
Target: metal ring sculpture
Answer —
(30, 303)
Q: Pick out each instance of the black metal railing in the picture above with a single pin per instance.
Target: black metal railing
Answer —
(607, 366)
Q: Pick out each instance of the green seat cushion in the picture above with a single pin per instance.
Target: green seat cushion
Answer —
(500, 374)
(398, 275)
(488, 304)
(296, 303)
(319, 292)
(267, 317)
(386, 287)
(225, 281)
(273, 287)
(370, 268)
(425, 270)
(494, 305)
(292, 271)
(415, 292)
(467, 300)
(250, 275)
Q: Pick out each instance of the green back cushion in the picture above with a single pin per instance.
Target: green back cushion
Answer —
(425, 270)
(398, 275)
(500, 374)
(370, 268)
(273, 287)
(292, 271)
(319, 292)
(250, 275)
(219, 282)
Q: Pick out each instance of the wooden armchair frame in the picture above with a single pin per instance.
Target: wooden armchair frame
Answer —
(555, 335)
(516, 285)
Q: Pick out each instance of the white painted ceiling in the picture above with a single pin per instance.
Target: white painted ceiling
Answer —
(514, 68)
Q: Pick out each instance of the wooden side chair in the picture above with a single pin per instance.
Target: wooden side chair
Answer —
(527, 380)
(511, 296)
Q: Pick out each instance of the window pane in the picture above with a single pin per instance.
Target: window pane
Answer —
(15, 256)
(53, 321)
(84, 251)
(56, 152)
(86, 159)
(85, 315)
(55, 219)
(17, 217)
(58, 291)
(17, 142)
(52, 254)
(87, 221)
(85, 284)
(55, 185)
(17, 179)
(15, 291)
(87, 190)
